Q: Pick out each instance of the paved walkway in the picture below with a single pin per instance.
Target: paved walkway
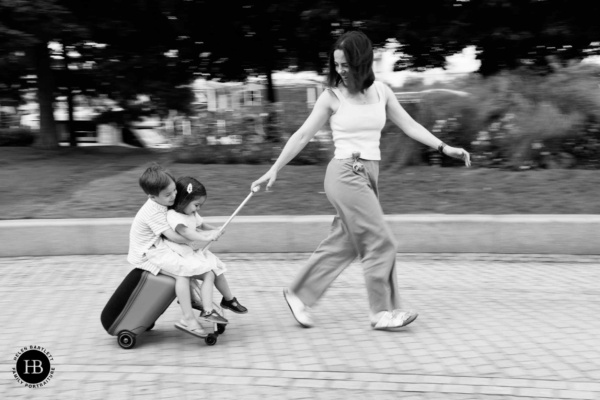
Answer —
(490, 327)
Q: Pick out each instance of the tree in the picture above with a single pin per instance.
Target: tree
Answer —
(534, 33)
(148, 53)
(508, 34)
(25, 31)
(237, 39)
(125, 48)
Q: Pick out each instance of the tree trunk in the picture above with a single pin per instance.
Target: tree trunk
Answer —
(48, 138)
(267, 50)
(70, 123)
(273, 133)
(270, 85)
(70, 106)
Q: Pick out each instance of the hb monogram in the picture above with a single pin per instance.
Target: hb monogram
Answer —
(37, 366)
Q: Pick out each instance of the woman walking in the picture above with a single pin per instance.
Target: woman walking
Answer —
(357, 107)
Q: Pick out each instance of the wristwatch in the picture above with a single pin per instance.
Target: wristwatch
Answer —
(441, 148)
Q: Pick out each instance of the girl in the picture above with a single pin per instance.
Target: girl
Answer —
(184, 219)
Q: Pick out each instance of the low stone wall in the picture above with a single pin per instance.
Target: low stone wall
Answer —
(517, 234)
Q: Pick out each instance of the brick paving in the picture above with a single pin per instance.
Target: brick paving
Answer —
(490, 327)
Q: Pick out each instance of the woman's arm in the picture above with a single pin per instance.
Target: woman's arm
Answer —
(416, 131)
(319, 115)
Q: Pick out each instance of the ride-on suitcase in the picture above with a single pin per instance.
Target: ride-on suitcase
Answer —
(136, 305)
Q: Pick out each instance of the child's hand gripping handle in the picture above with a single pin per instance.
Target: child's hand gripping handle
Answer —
(254, 190)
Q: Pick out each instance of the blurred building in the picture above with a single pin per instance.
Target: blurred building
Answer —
(231, 112)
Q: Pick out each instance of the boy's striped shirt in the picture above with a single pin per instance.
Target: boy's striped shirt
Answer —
(148, 225)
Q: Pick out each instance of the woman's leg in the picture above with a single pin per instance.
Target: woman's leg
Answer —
(354, 195)
(330, 258)
(327, 262)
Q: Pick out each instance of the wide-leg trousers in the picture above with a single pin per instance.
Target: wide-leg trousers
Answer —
(358, 230)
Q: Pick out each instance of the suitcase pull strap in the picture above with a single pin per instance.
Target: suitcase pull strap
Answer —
(254, 190)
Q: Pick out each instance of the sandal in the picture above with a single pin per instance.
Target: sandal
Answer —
(198, 332)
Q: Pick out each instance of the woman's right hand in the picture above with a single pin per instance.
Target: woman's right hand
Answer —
(270, 177)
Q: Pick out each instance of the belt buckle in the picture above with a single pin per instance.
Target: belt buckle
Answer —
(357, 166)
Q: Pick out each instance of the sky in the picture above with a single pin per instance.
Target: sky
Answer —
(457, 65)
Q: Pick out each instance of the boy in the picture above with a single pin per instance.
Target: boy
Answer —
(150, 221)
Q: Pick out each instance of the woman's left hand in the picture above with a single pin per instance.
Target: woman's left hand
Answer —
(457, 153)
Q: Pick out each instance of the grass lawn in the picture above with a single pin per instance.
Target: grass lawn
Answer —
(101, 182)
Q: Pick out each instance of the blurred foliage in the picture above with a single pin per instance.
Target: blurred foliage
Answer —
(250, 153)
(517, 120)
(202, 146)
(21, 137)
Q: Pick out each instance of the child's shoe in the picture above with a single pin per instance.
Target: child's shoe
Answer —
(213, 316)
(234, 306)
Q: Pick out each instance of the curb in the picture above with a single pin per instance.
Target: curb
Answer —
(415, 233)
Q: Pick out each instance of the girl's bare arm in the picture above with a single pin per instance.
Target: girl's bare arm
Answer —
(206, 227)
(194, 235)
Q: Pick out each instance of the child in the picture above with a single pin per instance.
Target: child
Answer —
(183, 217)
(147, 249)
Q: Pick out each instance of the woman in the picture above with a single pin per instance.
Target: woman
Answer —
(357, 107)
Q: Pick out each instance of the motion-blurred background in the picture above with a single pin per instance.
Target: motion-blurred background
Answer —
(91, 91)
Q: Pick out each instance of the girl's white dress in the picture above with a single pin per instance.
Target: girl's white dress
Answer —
(194, 261)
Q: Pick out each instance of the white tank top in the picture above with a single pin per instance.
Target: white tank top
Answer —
(357, 127)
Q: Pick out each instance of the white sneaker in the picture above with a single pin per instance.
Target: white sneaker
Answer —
(394, 320)
(299, 310)
(404, 318)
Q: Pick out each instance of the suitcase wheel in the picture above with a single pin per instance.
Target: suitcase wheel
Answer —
(221, 328)
(126, 339)
(211, 339)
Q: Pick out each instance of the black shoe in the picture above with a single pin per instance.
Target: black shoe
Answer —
(234, 306)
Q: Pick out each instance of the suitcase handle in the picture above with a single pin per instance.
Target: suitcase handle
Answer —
(254, 190)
